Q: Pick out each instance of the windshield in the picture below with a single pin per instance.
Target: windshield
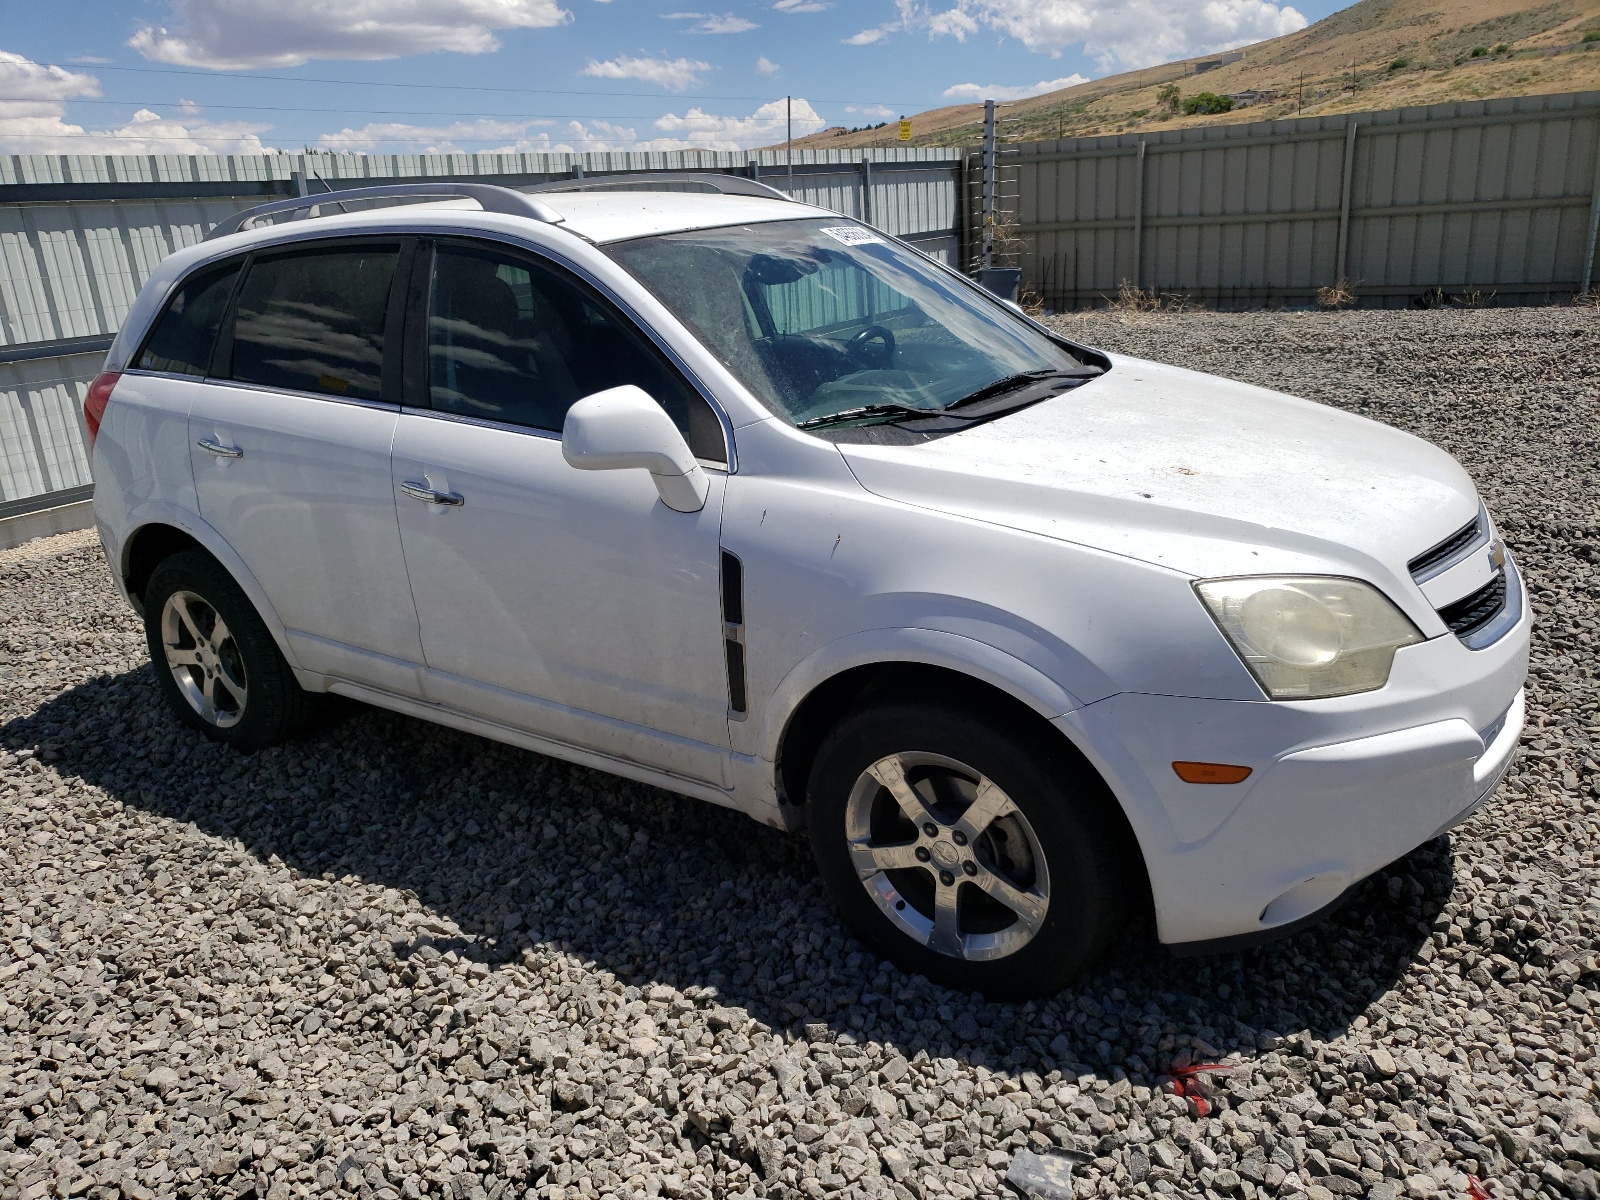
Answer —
(822, 316)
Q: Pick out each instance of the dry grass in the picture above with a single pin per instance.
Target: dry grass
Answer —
(1341, 294)
(1132, 300)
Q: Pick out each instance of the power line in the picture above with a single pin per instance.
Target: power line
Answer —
(464, 87)
(378, 112)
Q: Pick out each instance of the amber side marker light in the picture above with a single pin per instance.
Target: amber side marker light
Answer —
(1197, 772)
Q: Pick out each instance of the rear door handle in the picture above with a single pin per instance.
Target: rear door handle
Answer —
(217, 448)
(428, 495)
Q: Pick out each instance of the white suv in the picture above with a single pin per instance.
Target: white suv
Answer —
(747, 500)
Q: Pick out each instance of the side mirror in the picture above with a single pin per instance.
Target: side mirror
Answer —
(623, 428)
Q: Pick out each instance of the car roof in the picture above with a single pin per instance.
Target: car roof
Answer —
(599, 216)
(610, 216)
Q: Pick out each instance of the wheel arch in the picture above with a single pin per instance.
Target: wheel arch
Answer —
(820, 709)
(923, 662)
(167, 533)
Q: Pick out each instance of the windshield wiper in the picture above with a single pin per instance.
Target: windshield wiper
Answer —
(1012, 382)
(866, 411)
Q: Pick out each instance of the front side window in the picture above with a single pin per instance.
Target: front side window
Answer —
(821, 318)
(512, 340)
(313, 321)
(180, 342)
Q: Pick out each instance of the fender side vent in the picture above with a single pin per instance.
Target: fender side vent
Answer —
(733, 632)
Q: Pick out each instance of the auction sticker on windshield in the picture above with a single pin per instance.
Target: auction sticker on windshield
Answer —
(852, 235)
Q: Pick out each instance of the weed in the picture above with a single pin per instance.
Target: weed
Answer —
(1591, 298)
(1132, 299)
(1474, 298)
(1479, 51)
(1169, 99)
(1591, 35)
(1340, 294)
(1400, 64)
(1502, 48)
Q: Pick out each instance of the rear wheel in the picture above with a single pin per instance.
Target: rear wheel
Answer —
(217, 664)
(965, 853)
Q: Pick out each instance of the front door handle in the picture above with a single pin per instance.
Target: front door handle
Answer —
(428, 495)
(217, 448)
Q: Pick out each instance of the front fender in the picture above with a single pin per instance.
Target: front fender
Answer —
(924, 647)
(158, 512)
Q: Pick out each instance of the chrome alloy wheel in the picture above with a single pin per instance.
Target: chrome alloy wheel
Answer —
(947, 856)
(204, 659)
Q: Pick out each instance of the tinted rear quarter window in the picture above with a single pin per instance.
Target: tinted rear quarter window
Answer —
(181, 340)
(313, 321)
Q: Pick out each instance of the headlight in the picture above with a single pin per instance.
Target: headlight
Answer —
(1308, 637)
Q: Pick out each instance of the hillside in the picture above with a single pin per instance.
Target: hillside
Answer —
(1375, 54)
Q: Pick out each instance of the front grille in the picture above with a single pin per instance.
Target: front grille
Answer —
(1471, 613)
(1431, 562)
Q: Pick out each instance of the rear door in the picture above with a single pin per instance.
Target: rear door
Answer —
(573, 604)
(290, 441)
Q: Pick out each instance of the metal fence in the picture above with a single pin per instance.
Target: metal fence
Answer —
(79, 234)
(1482, 202)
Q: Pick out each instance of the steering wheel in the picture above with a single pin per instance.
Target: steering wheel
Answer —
(858, 344)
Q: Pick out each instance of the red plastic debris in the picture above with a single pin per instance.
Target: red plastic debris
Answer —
(1475, 1188)
(1187, 1078)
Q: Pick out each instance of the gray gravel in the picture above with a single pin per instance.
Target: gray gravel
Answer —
(396, 960)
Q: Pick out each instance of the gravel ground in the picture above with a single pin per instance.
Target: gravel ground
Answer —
(397, 960)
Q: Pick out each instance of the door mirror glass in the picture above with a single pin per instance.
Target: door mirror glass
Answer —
(622, 428)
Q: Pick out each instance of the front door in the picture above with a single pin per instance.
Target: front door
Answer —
(290, 446)
(572, 604)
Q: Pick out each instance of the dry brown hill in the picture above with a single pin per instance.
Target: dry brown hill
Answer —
(1375, 54)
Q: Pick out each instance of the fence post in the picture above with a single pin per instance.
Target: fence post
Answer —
(1594, 217)
(1341, 264)
(866, 190)
(990, 171)
(1138, 219)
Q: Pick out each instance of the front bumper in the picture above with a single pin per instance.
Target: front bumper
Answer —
(1339, 788)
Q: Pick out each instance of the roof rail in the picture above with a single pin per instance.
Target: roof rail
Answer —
(711, 181)
(490, 197)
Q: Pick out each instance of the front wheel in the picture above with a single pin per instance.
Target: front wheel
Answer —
(972, 856)
(218, 667)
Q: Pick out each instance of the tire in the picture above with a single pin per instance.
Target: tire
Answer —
(218, 667)
(1057, 841)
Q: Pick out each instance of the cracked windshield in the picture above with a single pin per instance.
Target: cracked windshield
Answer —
(823, 319)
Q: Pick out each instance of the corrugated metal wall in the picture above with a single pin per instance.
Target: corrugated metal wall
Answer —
(1488, 201)
(80, 233)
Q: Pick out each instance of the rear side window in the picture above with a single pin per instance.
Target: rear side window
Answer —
(181, 340)
(313, 321)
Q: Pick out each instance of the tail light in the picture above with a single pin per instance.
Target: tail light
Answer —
(94, 404)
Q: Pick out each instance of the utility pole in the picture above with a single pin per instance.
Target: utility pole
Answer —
(990, 158)
(788, 153)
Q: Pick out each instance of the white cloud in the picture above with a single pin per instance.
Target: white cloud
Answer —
(1120, 34)
(801, 6)
(726, 23)
(868, 36)
(870, 110)
(765, 66)
(674, 74)
(997, 91)
(236, 34)
(32, 119)
(461, 136)
(713, 22)
(698, 129)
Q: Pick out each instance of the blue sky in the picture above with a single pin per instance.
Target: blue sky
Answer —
(186, 76)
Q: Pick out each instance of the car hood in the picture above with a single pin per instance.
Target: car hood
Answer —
(1203, 475)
